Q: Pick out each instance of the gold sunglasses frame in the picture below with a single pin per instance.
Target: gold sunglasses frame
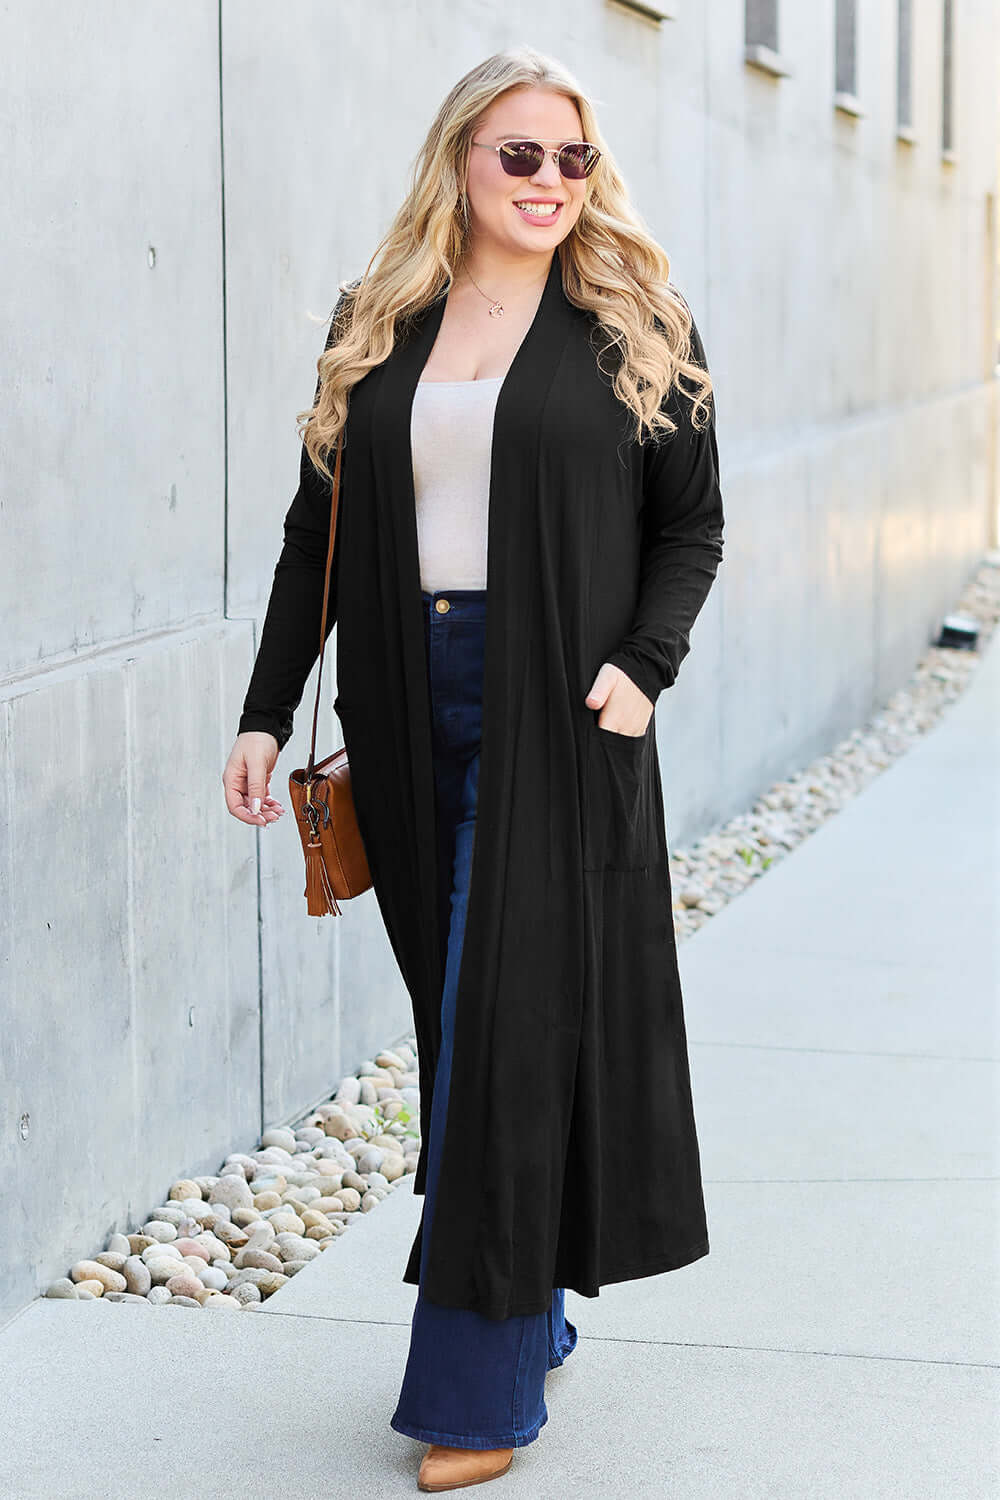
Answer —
(552, 151)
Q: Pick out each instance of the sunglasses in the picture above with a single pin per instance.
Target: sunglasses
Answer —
(524, 158)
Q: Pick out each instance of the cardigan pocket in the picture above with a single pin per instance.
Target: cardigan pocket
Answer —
(619, 806)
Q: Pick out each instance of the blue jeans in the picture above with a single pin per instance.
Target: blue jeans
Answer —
(470, 1381)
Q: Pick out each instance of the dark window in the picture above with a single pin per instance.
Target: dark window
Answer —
(904, 65)
(947, 91)
(762, 23)
(846, 65)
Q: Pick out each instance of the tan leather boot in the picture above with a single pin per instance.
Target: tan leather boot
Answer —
(446, 1468)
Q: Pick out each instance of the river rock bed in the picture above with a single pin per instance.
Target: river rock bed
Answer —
(234, 1239)
(719, 866)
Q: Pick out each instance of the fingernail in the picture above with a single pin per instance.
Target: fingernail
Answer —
(255, 805)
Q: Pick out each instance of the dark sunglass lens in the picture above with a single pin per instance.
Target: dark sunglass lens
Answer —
(578, 160)
(521, 158)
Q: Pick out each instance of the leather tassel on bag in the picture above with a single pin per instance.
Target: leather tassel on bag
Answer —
(319, 892)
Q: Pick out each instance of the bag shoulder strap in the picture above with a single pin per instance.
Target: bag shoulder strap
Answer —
(334, 499)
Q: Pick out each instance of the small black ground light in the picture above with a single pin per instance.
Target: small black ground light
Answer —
(960, 632)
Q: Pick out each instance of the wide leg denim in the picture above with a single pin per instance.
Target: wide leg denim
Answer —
(470, 1381)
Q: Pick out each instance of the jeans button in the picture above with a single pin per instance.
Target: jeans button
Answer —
(442, 606)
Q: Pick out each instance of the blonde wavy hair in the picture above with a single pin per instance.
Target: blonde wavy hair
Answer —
(611, 266)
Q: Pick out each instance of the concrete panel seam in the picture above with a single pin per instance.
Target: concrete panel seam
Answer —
(55, 670)
(819, 434)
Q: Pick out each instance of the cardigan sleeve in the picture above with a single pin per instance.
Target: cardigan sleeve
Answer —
(682, 537)
(289, 640)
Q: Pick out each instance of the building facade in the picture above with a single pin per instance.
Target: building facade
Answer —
(184, 190)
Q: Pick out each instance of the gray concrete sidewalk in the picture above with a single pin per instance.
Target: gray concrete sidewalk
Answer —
(841, 1339)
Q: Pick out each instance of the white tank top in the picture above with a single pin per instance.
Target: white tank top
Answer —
(451, 437)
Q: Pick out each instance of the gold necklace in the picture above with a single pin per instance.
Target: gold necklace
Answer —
(496, 306)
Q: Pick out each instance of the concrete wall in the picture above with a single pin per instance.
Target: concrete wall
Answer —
(184, 188)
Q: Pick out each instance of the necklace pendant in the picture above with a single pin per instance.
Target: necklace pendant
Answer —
(496, 310)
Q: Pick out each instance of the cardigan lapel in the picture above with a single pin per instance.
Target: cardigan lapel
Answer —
(397, 522)
(514, 599)
(514, 463)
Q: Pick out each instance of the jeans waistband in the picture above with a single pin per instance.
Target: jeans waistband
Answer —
(463, 604)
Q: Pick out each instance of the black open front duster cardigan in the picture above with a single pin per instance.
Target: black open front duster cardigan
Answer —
(570, 1048)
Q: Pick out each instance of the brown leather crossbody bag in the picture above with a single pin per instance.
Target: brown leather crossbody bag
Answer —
(336, 863)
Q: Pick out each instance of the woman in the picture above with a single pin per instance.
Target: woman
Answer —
(529, 409)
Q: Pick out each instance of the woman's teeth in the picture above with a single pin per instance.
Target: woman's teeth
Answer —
(539, 210)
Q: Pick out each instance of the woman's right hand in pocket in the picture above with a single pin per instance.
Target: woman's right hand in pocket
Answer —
(247, 779)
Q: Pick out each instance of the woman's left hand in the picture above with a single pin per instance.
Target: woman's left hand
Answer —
(626, 709)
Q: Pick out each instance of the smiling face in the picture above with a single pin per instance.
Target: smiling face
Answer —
(552, 202)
